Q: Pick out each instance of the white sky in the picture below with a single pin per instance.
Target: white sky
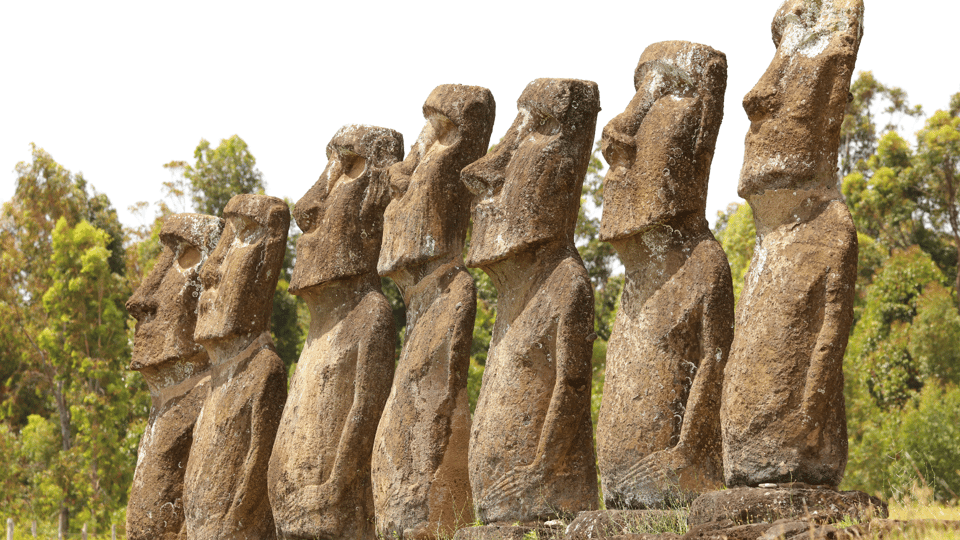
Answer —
(117, 89)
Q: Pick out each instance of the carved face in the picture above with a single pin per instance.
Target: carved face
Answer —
(529, 185)
(165, 304)
(797, 107)
(342, 214)
(430, 211)
(241, 275)
(660, 148)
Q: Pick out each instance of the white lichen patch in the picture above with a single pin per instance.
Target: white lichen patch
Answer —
(809, 32)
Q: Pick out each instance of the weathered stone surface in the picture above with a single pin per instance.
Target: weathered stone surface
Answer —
(505, 532)
(608, 523)
(174, 367)
(421, 484)
(658, 434)
(782, 411)
(726, 530)
(225, 488)
(815, 504)
(319, 476)
(531, 444)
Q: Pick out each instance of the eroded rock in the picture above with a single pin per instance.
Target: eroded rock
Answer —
(809, 503)
(225, 490)
(319, 477)
(174, 367)
(531, 444)
(421, 484)
(658, 434)
(782, 412)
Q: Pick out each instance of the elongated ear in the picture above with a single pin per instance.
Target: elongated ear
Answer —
(712, 88)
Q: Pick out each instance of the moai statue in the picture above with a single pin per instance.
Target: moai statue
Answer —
(174, 367)
(531, 444)
(658, 435)
(783, 412)
(421, 484)
(319, 478)
(225, 490)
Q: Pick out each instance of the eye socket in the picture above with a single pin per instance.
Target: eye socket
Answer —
(353, 165)
(547, 125)
(444, 129)
(189, 257)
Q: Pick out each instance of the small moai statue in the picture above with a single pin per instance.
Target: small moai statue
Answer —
(783, 413)
(421, 483)
(175, 369)
(319, 477)
(225, 489)
(658, 434)
(531, 445)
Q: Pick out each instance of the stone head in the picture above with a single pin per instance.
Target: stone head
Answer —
(240, 277)
(528, 186)
(342, 214)
(660, 148)
(165, 304)
(797, 107)
(430, 209)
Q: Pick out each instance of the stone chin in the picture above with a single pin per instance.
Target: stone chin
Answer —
(306, 276)
(780, 172)
(491, 245)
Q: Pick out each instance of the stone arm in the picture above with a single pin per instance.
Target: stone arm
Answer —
(458, 355)
(265, 410)
(825, 372)
(701, 419)
(374, 375)
(571, 392)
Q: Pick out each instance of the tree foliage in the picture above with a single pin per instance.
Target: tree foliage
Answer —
(70, 412)
(218, 174)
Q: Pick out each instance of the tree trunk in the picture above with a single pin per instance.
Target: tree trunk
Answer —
(954, 220)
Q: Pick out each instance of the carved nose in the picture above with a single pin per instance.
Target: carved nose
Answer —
(762, 99)
(142, 307)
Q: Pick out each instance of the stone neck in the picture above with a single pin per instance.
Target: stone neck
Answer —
(225, 350)
(174, 371)
(332, 301)
(653, 256)
(520, 277)
(413, 279)
(423, 285)
(775, 208)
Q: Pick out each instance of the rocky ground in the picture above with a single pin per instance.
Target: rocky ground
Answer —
(771, 512)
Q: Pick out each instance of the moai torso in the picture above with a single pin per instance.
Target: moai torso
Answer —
(783, 413)
(225, 487)
(319, 478)
(420, 479)
(531, 445)
(658, 434)
(175, 368)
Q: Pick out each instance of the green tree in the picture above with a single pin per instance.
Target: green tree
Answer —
(858, 133)
(65, 346)
(218, 174)
(737, 235)
(937, 165)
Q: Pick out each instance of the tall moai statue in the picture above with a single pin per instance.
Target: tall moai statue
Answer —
(783, 414)
(658, 435)
(421, 483)
(175, 369)
(319, 476)
(225, 490)
(531, 444)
